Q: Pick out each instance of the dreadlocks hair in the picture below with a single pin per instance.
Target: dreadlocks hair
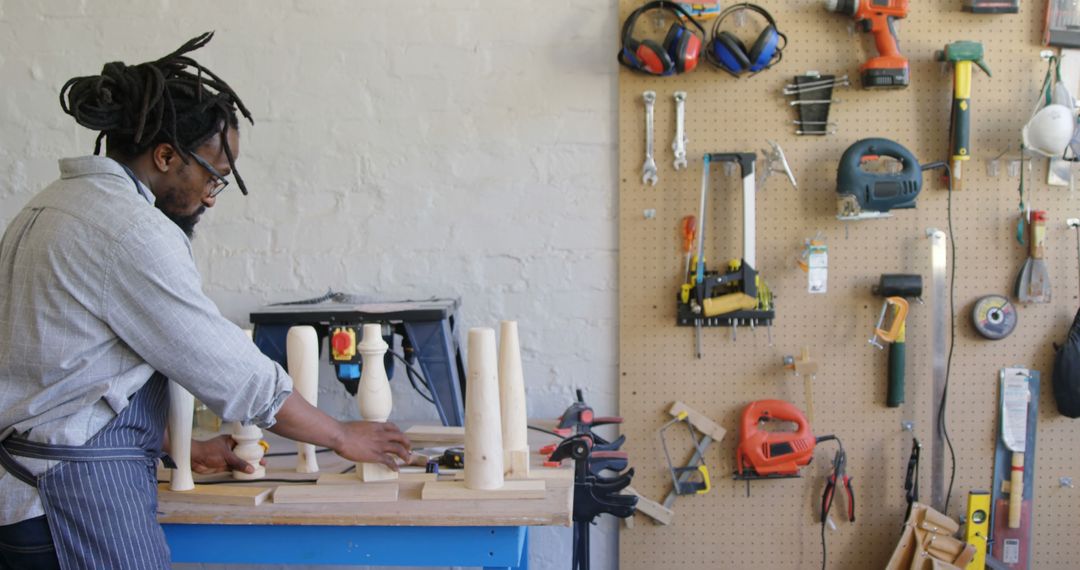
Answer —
(135, 108)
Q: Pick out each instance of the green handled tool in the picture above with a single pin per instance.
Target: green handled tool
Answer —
(961, 55)
(905, 286)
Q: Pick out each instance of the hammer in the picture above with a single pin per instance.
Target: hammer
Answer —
(961, 55)
(908, 286)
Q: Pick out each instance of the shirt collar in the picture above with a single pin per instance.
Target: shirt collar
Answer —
(86, 165)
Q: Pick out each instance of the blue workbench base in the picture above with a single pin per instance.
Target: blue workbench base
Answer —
(485, 546)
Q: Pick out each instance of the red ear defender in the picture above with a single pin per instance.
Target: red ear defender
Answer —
(693, 50)
(653, 57)
(679, 52)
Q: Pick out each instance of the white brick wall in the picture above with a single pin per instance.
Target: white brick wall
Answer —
(401, 150)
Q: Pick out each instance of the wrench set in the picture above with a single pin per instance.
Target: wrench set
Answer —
(678, 146)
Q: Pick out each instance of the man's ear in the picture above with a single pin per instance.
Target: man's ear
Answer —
(164, 157)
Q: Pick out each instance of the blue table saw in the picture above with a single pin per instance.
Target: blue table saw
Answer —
(427, 328)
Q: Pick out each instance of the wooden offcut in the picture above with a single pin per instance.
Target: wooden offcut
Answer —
(245, 495)
(352, 479)
(646, 506)
(446, 435)
(358, 493)
(700, 421)
(457, 491)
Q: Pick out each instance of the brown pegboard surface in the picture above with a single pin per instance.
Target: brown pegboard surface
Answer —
(776, 527)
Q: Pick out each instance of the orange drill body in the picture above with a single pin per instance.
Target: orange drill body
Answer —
(889, 69)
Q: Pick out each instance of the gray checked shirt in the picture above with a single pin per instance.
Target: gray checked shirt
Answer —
(98, 289)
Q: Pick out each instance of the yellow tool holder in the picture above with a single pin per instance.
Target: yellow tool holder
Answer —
(776, 527)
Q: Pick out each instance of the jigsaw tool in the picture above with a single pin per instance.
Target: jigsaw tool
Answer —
(889, 69)
(765, 454)
(866, 195)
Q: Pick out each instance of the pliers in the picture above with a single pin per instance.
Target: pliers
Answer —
(839, 474)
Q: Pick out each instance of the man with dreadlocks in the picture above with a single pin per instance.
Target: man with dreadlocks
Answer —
(101, 304)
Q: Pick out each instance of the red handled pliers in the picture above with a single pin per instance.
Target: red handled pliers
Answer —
(839, 474)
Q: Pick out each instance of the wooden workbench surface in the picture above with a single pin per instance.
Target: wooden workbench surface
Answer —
(409, 510)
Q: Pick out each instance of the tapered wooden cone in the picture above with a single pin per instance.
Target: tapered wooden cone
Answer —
(512, 406)
(181, 412)
(483, 426)
(302, 350)
(373, 395)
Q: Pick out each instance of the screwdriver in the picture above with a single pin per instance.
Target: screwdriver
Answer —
(689, 230)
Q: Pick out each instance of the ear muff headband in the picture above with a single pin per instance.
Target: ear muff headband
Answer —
(724, 50)
(628, 55)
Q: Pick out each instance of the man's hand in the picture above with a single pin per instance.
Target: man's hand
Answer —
(366, 442)
(373, 442)
(216, 455)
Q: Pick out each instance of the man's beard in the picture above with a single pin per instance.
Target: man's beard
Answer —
(186, 223)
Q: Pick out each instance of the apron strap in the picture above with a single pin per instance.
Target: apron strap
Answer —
(24, 448)
(14, 467)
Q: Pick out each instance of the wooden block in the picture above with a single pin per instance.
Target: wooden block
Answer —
(357, 493)
(700, 421)
(437, 434)
(566, 473)
(376, 472)
(246, 495)
(271, 473)
(659, 513)
(457, 491)
(353, 479)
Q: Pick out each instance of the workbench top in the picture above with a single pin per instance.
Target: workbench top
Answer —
(409, 510)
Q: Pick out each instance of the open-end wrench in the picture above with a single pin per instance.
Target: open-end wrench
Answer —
(648, 170)
(679, 145)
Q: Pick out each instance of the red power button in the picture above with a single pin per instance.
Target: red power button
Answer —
(343, 343)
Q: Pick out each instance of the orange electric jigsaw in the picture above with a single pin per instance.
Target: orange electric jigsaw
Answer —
(764, 454)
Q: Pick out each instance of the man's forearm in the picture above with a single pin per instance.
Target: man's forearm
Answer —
(298, 420)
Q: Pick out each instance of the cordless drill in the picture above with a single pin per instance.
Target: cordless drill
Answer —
(889, 69)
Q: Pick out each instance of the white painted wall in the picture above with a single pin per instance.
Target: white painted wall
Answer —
(401, 150)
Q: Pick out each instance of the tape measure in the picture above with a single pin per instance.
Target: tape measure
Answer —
(994, 317)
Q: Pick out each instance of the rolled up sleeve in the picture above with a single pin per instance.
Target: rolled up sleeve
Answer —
(155, 303)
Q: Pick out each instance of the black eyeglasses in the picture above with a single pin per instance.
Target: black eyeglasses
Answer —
(219, 181)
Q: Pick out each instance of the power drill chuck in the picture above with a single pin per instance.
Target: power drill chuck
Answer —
(842, 6)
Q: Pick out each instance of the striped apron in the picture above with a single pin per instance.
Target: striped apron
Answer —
(100, 500)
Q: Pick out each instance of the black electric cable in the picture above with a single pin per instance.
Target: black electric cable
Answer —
(410, 371)
(286, 453)
(243, 481)
(942, 408)
(952, 342)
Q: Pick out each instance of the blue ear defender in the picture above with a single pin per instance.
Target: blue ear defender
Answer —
(729, 53)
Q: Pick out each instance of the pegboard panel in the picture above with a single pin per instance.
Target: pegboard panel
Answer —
(776, 526)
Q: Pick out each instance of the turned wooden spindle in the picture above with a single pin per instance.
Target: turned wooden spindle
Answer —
(181, 413)
(302, 352)
(248, 448)
(373, 396)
